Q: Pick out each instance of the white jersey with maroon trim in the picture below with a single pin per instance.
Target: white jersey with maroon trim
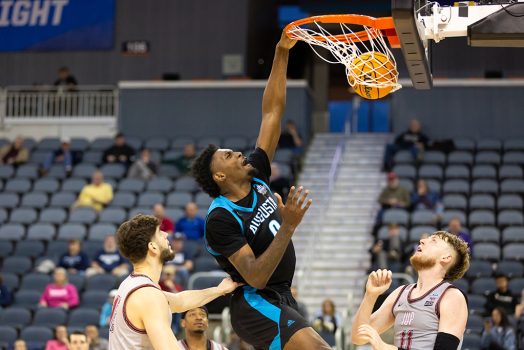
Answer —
(123, 335)
(417, 320)
(211, 345)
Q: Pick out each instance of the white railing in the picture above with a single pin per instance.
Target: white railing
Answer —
(38, 103)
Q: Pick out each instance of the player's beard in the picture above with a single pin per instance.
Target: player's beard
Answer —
(421, 263)
(166, 255)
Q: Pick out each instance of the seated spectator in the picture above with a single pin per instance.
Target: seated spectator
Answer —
(423, 198)
(278, 183)
(168, 281)
(412, 139)
(290, 138)
(302, 308)
(387, 253)
(394, 195)
(6, 298)
(502, 298)
(60, 293)
(455, 227)
(183, 163)
(107, 308)
(143, 168)
(120, 152)
(191, 224)
(74, 260)
(61, 341)
(78, 341)
(498, 333)
(97, 194)
(20, 344)
(166, 224)
(327, 322)
(109, 260)
(183, 260)
(65, 78)
(94, 340)
(14, 153)
(64, 155)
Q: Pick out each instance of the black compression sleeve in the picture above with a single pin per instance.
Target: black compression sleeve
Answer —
(446, 341)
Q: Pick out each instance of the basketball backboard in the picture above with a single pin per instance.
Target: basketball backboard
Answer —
(486, 23)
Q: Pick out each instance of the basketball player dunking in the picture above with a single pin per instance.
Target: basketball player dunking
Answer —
(249, 229)
(141, 316)
(430, 314)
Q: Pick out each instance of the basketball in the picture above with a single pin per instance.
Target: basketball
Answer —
(374, 67)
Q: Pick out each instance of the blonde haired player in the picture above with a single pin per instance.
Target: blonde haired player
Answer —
(430, 314)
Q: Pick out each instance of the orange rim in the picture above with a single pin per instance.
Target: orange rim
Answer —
(384, 24)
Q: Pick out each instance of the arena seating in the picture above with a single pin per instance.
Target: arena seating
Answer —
(482, 183)
(36, 222)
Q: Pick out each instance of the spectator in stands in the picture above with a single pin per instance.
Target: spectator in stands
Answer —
(183, 163)
(412, 139)
(502, 298)
(61, 341)
(498, 333)
(97, 194)
(75, 261)
(166, 224)
(183, 260)
(327, 322)
(394, 195)
(94, 340)
(290, 137)
(423, 198)
(168, 282)
(455, 227)
(78, 341)
(14, 153)
(60, 293)
(387, 253)
(279, 183)
(120, 152)
(6, 298)
(105, 313)
(64, 155)
(109, 260)
(191, 224)
(143, 168)
(301, 307)
(20, 344)
(519, 308)
(195, 324)
(65, 78)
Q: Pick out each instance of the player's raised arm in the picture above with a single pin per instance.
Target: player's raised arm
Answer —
(274, 100)
(190, 299)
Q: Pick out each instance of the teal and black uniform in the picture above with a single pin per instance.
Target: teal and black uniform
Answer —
(264, 318)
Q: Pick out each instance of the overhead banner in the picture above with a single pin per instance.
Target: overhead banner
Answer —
(56, 25)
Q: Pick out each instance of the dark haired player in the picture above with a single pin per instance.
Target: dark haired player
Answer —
(249, 229)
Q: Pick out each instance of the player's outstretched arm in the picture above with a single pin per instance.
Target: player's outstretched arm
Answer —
(257, 271)
(378, 282)
(149, 306)
(191, 299)
(274, 100)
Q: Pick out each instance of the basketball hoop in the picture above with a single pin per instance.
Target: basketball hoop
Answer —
(368, 60)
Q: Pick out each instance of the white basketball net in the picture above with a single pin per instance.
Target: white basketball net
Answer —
(386, 74)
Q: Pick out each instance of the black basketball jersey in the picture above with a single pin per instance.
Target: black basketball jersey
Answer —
(254, 220)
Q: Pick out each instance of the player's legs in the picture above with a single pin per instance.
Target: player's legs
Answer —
(306, 339)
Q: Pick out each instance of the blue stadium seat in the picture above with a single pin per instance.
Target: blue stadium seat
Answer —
(205, 263)
(513, 251)
(27, 299)
(48, 144)
(73, 184)
(148, 199)
(512, 186)
(485, 186)
(50, 317)
(56, 248)
(63, 199)
(422, 217)
(157, 144)
(485, 234)
(38, 156)
(78, 281)
(481, 201)
(203, 200)
(180, 141)
(464, 144)
(131, 185)
(3, 215)
(12, 232)
(407, 184)
(514, 158)
(479, 268)
(31, 249)
(168, 170)
(72, 231)
(55, 216)
(460, 157)
(174, 214)
(194, 248)
(186, 183)
(430, 171)
(403, 157)
(35, 281)
(79, 144)
(27, 171)
(474, 325)
(84, 170)
(9, 200)
(17, 264)
(405, 171)
(24, 216)
(98, 232)
(201, 282)
(489, 144)
(82, 317)
(17, 186)
(178, 199)
(510, 268)
(483, 286)
(484, 172)
(481, 218)
(416, 232)
(451, 214)
(101, 143)
(38, 335)
(91, 248)
(57, 171)
(476, 304)
(16, 317)
(456, 186)
(11, 280)
(37, 200)
(113, 170)
(6, 171)
(112, 216)
(102, 282)
(134, 142)
(486, 157)
(160, 184)
(455, 201)
(510, 218)
(457, 172)
(486, 251)
(516, 285)
(435, 157)
(94, 299)
(82, 215)
(8, 335)
(396, 216)
(514, 145)
(92, 157)
(125, 200)
(6, 249)
(513, 234)
(510, 172)
(510, 201)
